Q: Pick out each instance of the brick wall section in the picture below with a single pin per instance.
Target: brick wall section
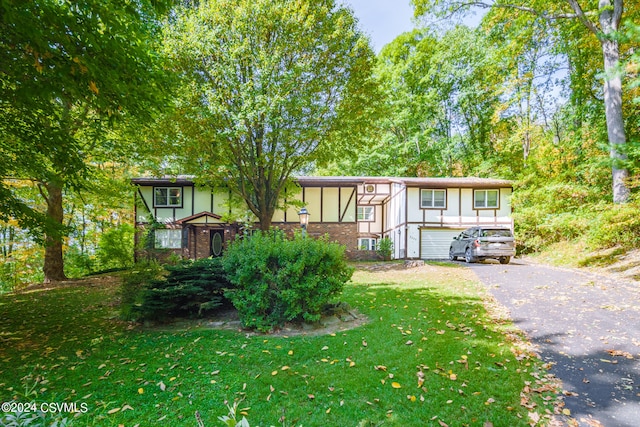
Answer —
(199, 244)
(343, 233)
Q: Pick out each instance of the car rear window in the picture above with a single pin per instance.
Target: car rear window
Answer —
(496, 233)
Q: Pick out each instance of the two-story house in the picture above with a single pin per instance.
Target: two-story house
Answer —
(420, 215)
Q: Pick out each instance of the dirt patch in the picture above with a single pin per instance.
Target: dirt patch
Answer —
(615, 263)
(103, 280)
(338, 318)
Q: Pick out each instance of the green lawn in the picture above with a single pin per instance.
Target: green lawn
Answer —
(430, 355)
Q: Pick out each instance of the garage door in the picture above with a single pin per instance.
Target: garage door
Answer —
(435, 242)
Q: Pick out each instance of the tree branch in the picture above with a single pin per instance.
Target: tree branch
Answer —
(583, 17)
(579, 13)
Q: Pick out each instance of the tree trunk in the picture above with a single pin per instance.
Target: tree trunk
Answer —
(610, 15)
(615, 121)
(265, 216)
(53, 261)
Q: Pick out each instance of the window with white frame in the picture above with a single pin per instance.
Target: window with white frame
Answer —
(367, 244)
(485, 199)
(366, 213)
(433, 199)
(167, 197)
(168, 238)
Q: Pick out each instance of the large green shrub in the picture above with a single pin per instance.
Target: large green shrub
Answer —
(617, 225)
(385, 248)
(190, 288)
(278, 279)
(115, 249)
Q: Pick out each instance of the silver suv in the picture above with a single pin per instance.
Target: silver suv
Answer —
(480, 243)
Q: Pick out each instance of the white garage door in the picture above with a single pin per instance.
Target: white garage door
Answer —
(435, 242)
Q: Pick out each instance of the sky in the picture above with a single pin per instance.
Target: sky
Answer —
(382, 20)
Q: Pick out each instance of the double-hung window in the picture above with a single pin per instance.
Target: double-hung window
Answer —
(367, 244)
(366, 213)
(167, 197)
(486, 199)
(168, 238)
(433, 199)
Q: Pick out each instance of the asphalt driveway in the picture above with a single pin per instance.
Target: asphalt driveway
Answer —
(587, 325)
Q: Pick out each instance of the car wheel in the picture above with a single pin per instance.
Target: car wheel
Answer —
(452, 257)
(504, 259)
(468, 257)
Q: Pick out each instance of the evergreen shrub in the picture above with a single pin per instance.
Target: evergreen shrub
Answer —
(134, 281)
(279, 280)
(190, 288)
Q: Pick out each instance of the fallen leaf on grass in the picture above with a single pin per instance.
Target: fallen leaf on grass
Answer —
(395, 385)
(534, 416)
(420, 375)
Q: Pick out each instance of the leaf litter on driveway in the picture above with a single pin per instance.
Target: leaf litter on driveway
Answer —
(586, 326)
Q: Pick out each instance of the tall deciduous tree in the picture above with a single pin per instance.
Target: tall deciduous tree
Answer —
(69, 70)
(602, 19)
(270, 88)
(441, 93)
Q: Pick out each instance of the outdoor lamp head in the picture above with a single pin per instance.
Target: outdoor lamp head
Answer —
(304, 217)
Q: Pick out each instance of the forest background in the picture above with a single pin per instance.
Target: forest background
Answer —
(90, 91)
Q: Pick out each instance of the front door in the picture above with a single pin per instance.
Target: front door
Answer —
(217, 242)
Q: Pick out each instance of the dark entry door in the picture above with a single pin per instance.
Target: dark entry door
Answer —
(217, 242)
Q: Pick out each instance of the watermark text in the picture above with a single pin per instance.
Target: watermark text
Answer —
(45, 407)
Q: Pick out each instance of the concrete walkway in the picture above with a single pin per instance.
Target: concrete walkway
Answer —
(587, 325)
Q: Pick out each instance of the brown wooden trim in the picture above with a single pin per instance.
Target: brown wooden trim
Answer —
(145, 202)
(406, 223)
(193, 200)
(353, 192)
(321, 204)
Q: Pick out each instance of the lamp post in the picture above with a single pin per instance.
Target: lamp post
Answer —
(304, 220)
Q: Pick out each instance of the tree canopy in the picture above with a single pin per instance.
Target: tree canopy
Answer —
(269, 89)
(69, 71)
(603, 21)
